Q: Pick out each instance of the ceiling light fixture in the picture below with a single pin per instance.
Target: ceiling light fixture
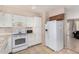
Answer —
(33, 7)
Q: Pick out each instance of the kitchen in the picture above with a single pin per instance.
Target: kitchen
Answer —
(33, 29)
(17, 29)
(23, 26)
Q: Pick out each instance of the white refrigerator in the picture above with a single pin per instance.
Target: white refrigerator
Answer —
(54, 35)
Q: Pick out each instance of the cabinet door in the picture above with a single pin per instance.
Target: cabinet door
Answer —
(9, 44)
(4, 46)
(37, 21)
(30, 39)
(15, 20)
(29, 21)
(5, 20)
(37, 30)
(37, 35)
(34, 38)
(2, 21)
(8, 20)
(19, 19)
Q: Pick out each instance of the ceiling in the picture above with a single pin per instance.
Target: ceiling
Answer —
(36, 8)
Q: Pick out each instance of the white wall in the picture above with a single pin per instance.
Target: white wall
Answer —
(56, 11)
(72, 12)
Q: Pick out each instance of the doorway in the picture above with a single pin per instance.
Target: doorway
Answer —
(72, 40)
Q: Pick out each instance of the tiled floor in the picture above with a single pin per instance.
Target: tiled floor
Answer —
(41, 49)
(73, 44)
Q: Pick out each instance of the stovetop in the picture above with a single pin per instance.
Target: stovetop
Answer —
(19, 33)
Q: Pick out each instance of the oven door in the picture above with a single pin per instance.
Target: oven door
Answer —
(19, 41)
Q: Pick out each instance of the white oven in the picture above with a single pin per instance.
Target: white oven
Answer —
(19, 40)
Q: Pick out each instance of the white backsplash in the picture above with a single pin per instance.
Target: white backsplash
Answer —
(5, 29)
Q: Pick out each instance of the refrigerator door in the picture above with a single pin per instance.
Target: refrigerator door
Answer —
(55, 35)
(52, 35)
(46, 35)
(60, 35)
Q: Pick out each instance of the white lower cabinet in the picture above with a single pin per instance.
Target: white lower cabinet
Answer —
(5, 46)
(9, 44)
(33, 39)
(37, 35)
(30, 39)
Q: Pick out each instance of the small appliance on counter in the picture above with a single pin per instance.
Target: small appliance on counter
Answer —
(29, 30)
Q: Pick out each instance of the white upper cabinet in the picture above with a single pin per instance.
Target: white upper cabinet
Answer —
(24, 20)
(19, 19)
(5, 20)
(33, 21)
(8, 20)
(29, 22)
(1, 20)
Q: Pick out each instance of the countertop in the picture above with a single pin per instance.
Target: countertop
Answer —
(5, 34)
